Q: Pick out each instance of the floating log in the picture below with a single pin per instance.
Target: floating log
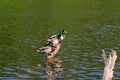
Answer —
(109, 64)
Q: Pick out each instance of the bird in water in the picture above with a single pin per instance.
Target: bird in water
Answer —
(53, 44)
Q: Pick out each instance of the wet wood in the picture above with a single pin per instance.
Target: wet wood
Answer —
(109, 64)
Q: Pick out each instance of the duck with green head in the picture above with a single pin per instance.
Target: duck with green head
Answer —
(53, 44)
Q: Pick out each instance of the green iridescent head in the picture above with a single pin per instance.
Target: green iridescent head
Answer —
(61, 32)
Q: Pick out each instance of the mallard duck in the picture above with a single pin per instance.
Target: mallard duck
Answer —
(53, 44)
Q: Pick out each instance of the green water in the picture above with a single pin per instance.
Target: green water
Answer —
(25, 25)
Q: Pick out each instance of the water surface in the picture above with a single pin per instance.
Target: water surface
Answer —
(92, 25)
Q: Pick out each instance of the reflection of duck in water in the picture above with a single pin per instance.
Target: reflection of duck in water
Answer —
(55, 69)
(53, 45)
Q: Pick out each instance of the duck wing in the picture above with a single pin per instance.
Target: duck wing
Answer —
(45, 49)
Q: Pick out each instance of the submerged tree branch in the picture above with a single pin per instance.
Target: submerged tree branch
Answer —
(109, 64)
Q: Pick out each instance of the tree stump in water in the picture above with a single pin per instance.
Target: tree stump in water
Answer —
(109, 64)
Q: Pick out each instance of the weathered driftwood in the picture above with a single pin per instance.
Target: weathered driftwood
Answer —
(109, 64)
